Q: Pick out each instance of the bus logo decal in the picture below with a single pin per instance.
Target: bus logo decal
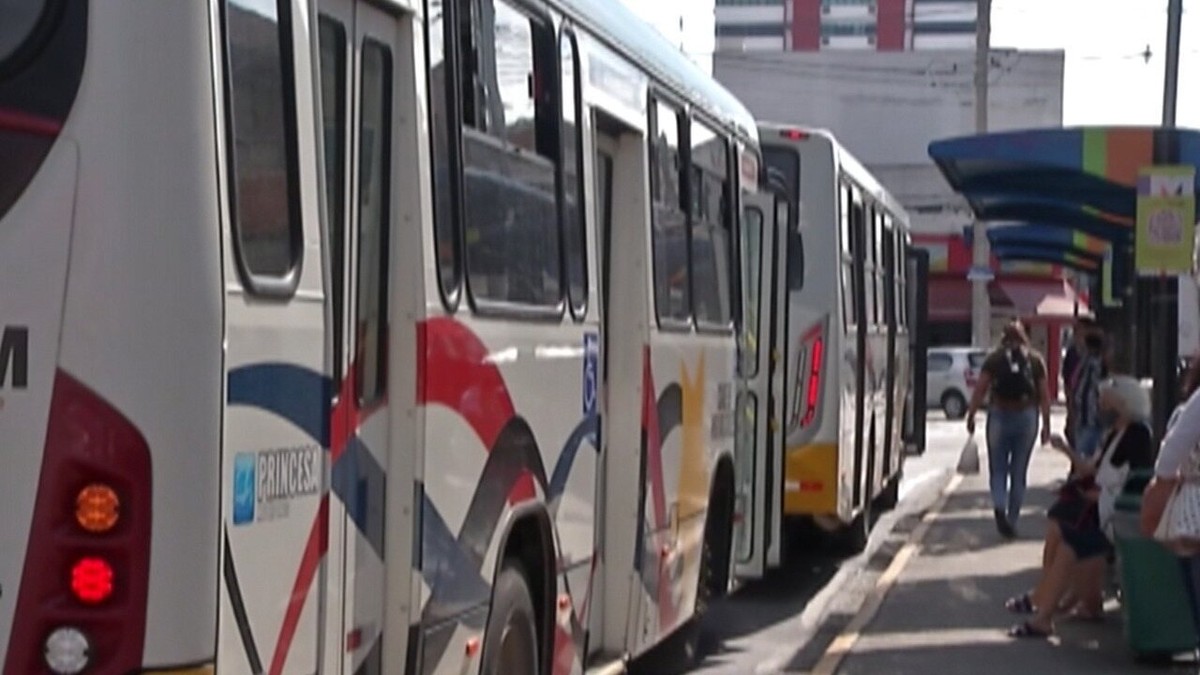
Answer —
(243, 488)
(591, 375)
(14, 357)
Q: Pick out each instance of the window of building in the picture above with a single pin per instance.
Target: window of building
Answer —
(945, 28)
(834, 28)
(709, 192)
(574, 230)
(510, 152)
(672, 282)
(262, 146)
(769, 29)
(374, 219)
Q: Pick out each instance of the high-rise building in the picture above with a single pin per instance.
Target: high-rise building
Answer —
(815, 25)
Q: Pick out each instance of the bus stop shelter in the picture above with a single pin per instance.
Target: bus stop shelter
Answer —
(1068, 196)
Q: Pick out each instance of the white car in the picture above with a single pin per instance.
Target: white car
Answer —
(951, 376)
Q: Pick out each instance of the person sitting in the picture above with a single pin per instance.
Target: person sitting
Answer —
(1076, 546)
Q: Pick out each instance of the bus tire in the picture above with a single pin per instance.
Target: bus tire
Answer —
(890, 497)
(511, 642)
(854, 537)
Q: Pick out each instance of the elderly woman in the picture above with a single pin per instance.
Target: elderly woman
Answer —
(1076, 545)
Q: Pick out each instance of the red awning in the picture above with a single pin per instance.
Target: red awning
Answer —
(1046, 299)
(949, 300)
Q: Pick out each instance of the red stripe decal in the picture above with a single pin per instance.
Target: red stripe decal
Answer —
(310, 562)
(24, 123)
(459, 375)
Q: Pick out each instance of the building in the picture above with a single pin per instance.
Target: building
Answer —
(869, 25)
(886, 108)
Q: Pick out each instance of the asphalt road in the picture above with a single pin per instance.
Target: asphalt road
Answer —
(783, 622)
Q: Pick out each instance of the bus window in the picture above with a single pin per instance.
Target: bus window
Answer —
(709, 191)
(374, 217)
(572, 198)
(262, 145)
(752, 234)
(332, 37)
(20, 21)
(672, 281)
(845, 199)
(510, 153)
(439, 50)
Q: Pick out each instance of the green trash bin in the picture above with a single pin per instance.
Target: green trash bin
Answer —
(1158, 620)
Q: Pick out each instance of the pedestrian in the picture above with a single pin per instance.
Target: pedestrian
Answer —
(1013, 378)
(1174, 463)
(1071, 360)
(1074, 551)
(1084, 400)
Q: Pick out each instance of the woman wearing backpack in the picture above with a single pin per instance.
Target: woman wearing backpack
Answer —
(1013, 378)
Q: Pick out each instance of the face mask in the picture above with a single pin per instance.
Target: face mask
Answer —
(1108, 417)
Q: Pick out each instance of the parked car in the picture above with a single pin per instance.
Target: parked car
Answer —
(951, 376)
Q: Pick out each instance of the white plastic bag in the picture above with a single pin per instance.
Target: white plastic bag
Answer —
(968, 461)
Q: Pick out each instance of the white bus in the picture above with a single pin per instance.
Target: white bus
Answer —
(361, 337)
(840, 371)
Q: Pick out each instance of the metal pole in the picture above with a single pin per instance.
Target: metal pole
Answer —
(1164, 310)
(1171, 85)
(981, 311)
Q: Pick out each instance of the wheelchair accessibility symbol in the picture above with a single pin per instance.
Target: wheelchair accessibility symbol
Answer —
(591, 375)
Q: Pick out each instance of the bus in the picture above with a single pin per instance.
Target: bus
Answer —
(362, 337)
(839, 378)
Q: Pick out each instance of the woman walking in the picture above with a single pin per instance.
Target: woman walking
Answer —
(1013, 378)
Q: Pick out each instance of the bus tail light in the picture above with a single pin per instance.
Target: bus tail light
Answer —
(794, 134)
(809, 370)
(82, 595)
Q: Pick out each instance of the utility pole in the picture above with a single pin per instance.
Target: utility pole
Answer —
(981, 310)
(1164, 307)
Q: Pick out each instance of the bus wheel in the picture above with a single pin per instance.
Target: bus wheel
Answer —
(890, 497)
(854, 537)
(511, 643)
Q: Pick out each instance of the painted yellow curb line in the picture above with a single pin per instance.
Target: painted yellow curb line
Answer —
(841, 646)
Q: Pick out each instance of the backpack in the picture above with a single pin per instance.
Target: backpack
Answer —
(1014, 382)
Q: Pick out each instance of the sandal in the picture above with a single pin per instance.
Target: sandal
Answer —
(1028, 630)
(1020, 604)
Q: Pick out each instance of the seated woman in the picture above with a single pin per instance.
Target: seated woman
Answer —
(1076, 545)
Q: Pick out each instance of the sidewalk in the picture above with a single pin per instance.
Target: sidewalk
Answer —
(944, 610)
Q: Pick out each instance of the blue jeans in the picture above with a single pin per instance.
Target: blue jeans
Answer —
(1087, 439)
(1191, 583)
(1010, 437)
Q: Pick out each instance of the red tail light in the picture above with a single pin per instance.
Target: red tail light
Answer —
(794, 134)
(810, 364)
(82, 598)
(814, 381)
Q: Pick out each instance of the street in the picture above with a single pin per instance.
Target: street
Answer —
(784, 621)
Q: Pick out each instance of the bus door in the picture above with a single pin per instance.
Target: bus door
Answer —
(361, 62)
(275, 413)
(759, 431)
(917, 260)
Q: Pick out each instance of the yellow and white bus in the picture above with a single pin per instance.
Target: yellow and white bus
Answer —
(839, 375)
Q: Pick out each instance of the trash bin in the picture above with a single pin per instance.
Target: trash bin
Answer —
(1158, 620)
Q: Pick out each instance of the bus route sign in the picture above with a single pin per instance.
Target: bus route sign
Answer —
(1166, 220)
